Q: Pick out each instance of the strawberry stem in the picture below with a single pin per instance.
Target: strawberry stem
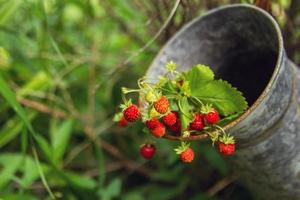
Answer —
(181, 110)
(198, 100)
(220, 128)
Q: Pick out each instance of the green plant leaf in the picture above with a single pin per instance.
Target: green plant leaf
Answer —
(30, 171)
(9, 164)
(26, 166)
(80, 181)
(168, 88)
(135, 195)
(41, 81)
(11, 99)
(197, 75)
(18, 197)
(229, 119)
(12, 128)
(185, 114)
(222, 95)
(113, 190)
(8, 9)
(60, 139)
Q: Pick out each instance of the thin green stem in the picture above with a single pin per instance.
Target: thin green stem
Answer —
(124, 98)
(168, 90)
(132, 90)
(139, 82)
(180, 108)
(220, 128)
(198, 100)
(42, 175)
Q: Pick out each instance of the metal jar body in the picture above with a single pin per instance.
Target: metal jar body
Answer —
(243, 45)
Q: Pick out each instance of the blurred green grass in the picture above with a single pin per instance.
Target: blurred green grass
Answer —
(64, 62)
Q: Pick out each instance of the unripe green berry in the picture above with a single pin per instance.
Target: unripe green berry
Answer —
(150, 97)
(154, 113)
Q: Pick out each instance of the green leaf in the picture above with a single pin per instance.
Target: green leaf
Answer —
(112, 190)
(11, 99)
(18, 197)
(135, 195)
(7, 9)
(9, 164)
(60, 139)
(80, 181)
(228, 119)
(44, 146)
(41, 81)
(185, 115)
(222, 95)
(30, 171)
(197, 75)
(13, 162)
(12, 128)
(168, 88)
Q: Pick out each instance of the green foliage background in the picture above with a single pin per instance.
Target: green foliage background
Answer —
(62, 65)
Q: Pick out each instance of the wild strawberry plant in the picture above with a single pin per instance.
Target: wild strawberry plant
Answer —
(184, 106)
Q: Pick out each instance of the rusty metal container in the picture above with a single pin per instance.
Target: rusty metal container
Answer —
(243, 45)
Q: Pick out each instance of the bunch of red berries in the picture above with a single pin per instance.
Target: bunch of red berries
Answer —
(169, 110)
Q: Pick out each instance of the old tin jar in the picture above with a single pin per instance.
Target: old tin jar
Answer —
(243, 45)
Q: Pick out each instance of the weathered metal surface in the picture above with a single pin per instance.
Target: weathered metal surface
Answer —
(244, 46)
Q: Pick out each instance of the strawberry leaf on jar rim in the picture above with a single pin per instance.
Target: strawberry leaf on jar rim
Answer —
(227, 99)
(198, 75)
(229, 119)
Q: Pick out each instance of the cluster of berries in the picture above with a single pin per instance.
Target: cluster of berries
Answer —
(161, 119)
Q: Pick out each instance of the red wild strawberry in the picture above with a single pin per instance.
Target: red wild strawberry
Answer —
(212, 117)
(176, 128)
(123, 122)
(147, 151)
(170, 119)
(185, 152)
(187, 156)
(197, 124)
(226, 145)
(162, 105)
(226, 149)
(152, 123)
(131, 113)
(159, 131)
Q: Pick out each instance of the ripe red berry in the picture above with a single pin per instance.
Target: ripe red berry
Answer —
(159, 131)
(152, 123)
(123, 122)
(170, 119)
(212, 117)
(147, 151)
(131, 113)
(162, 105)
(197, 124)
(187, 156)
(226, 149)
(176, 128)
